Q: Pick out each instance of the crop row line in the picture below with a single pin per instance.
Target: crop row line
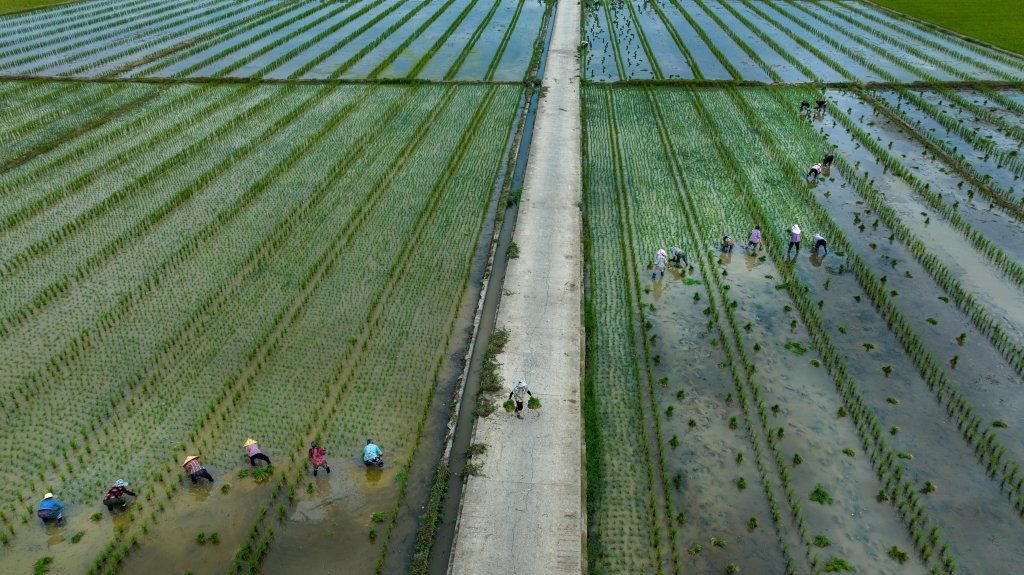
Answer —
(66, 19)
(259, 357)
(863, 416)
(630, 285)
(693, 218)
(946, 391)
(998, 196)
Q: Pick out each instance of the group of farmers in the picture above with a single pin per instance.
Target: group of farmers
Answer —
(51, 509)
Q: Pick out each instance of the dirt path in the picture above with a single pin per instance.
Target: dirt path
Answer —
(524, 513)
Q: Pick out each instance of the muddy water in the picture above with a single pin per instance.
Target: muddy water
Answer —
(1001, 176)
(987, 381)
(706, 456)
(965, 496)
(35, 540)
(861, 529)
(994, 223)
(995, 134)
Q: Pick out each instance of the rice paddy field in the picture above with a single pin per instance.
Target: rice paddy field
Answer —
(269, 219)
(770, 412)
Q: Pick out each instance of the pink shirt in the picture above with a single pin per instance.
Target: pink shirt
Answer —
(794, 236)
(193, 466)
(253, 449)
(755, 236)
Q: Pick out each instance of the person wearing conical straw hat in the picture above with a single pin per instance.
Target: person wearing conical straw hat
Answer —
(50, 509)
(118, 495)
(195, 469)
(252, 449)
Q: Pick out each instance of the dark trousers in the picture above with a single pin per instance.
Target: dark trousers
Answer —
(375, 462)
(812, 175)
(791, 244)
(201, 473)
(253, 458)
(820, 244)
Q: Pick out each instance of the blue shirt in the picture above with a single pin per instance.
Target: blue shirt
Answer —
(370, 452)
(51, 504)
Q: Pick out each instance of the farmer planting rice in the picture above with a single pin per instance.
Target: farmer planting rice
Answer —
(819, 242)
(253, 451)
(677, 256)
(517, 394)
(118, 495)
(195, 469)
(820, 105)
(50, 509)
(372, 455)
(659, 264)
(727, 244)
(813, 173)
(794, 240)
(754, 241)
(318, 457)
(827, 162)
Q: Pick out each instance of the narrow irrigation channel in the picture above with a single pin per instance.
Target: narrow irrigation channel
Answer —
(454, 460)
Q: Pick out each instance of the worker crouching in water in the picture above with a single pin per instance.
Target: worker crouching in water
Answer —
(253, 451)
(318, 457)
(50, 509)
(117, 495)
(195, 469)
(372, 455)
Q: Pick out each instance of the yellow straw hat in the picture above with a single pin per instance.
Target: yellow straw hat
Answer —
(189, 458)
(249, 442)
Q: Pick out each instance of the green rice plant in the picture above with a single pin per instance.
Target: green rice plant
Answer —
(821, 541)
(820, 495)
(839, 565)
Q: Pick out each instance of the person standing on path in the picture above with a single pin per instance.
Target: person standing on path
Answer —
(253, 451)
(659, 264)
(819, 242)
(754, 241)
(517, 393)
(794, 240)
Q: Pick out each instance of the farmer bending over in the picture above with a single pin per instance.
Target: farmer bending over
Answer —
(195, 469)
(819, 242)
(372, 455)
(118, 495)
(318, 457)
(813, 173)
(678, 256)
(754, 241)
(253, 451)
(659, 264)
(829, 158)
(794, 240)
(727, 244)
(50, 509)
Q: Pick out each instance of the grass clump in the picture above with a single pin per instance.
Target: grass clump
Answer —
(839, 565)
(43, 565)
(533, 403)
(821, 541)
(795, 347)
(820, 495)
(898, 555)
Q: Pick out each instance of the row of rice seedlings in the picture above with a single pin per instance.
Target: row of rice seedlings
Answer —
(416, 68)
(83, 50)
(946, 390)
(964, 300)
(471, 42)
(380, 38)
(998, 196)
(613, 36)
(207, 42)
(77, 29)
(401, 47)
(29, 24)
(227, 54)
(973, 51)
(631, 285)
(642, 37)
(1013, 269)
(950, 154)
(708, 41)
(282, 232)
(1009, 159)
(916, 47)
(870, 430)
(753, 55)
(620, 499)
(261, 357)
(770, 435)
(149, 376)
